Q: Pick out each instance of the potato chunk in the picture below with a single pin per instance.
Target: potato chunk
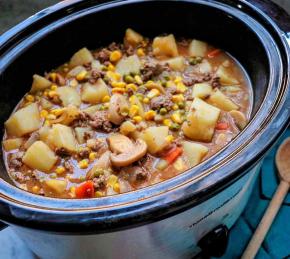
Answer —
(56, 186)
(132, 38)
(39, 83)
(155, 138)
(201, 121)
(194, 152)
(23, 121)
(12, 143)
(202, 90)
(91, 110)
(75, 71)
(218, 99)
(68, 96)
(61, 136)
(39, 156)
(94, 93)
(44, 133)
(127, 127)
(80, 133)
(225, 77)
(177, 63)
(128, 65)
(81, 57)
(197, 48)
(165, 46)
(135, 101)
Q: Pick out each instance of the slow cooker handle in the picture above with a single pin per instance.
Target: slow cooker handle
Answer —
(214, 243)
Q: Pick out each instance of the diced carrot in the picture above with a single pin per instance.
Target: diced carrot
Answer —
(213, 53)
(222, 126)
(173, 154)
(85, 190)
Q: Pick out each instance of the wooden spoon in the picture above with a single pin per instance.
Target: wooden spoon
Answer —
(283, 165)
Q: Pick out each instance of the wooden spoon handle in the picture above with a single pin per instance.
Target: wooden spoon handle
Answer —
(265, 224)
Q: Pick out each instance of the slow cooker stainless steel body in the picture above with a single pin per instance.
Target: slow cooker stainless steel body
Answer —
(166, 220)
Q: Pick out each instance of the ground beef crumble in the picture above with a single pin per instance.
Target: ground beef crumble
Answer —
(162, 101)
(100, 121)
(152, 69)
(15, 160)
(99, 182)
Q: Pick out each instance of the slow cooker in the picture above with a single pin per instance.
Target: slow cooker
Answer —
(182, 216)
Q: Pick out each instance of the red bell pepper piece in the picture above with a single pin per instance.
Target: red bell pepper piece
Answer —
(173, 154)
(222, 126)
(85, 190)
(213, 53)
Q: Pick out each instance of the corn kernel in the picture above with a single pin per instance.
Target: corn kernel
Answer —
(57, 111)
(175, 107)
(115, 56)
(73, 83)
(52, 76)
(140, 52)
(35, 189)
(116, 187)
(98, 194)
(177, 98)
(53, 87)
(43, 113)
(111, 67)
(92, 156)
(72, 191)
(81, 75)
(118, 90)
(118, 84)
(60, 170)
(134, 110)
(113, 75)
(149, 82)
(167, 122)
(153, 93)
(138, 80)
(137, 119)
(150, 115)
(146, 100)
(170, 84)
(131, 86)
(176, 117)
(45, 93)
(83, 164)
(112, 180)
(47, 123)
(52, 94)
(29, 98)
(180, 87)
(178, 79)
(169, 138)
(106, 98)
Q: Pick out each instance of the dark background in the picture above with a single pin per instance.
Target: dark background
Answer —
(14, 11)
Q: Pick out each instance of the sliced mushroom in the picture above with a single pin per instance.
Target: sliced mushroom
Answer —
(239, 119)
(103, 162)
(130, 156)
(120, 143)
(118, 105)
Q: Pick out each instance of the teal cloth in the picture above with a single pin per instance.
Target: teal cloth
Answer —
(277, 242)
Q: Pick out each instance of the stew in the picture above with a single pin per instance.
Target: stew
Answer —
(124, 117)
